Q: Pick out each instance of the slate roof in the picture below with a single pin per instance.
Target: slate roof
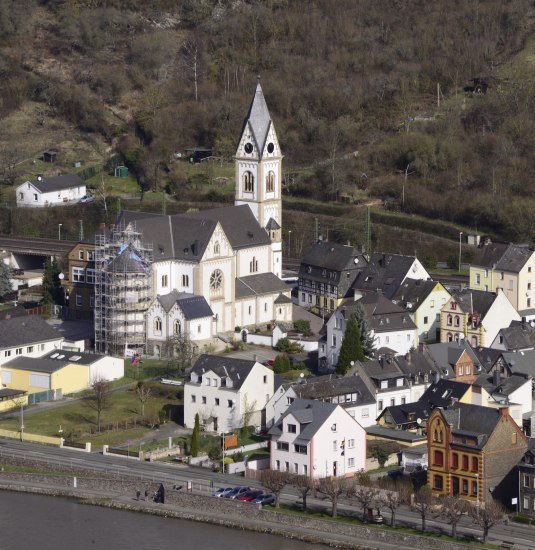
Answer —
(261, 283)
(128, 261)
(400, 413)
(225, 367)
(446, 355)
(487, 356)
(385, 272)
(65, 356)
(383, 315)
(21, 331)
(395, 434)
(499, 388)
(282, 299)
(413, 292)
(35, 364)
(416, 364)
(520, 362)
(443, 393)
(326, 257)
(477, 301)
(324, 387)
(489, 254)
(192, 306)
(312, 414)
(57, 183)
(518, 335)
(514, 258)
(258, 119)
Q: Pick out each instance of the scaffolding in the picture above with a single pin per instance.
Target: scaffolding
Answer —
(123, 290)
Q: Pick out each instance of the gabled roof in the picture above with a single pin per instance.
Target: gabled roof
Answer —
(408, 413)
(383, 315)
(385, 272)
(413, 292)
(497, 386)
(443, 393)
(57, 183)
(518, 335)
(446, 355)
(310, 414)
(258, 119)
(225, 367)
(330, 256)
(326, 387)
(21, 331)
(35, 364)
(128, 261)
(193, 307)
(417, 363)
(489, 254)
(520, 362)
(261, 283)
(487, 356)
(474, 301)
(514, 258)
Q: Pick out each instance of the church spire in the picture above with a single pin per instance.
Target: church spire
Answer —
(258, 119)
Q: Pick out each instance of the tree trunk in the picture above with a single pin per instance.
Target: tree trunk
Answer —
(393, 518)
(277, 497)
(142, 408)
(454, 530)
(304, 502)
(423, 524)
(485, 534)
(334, 511)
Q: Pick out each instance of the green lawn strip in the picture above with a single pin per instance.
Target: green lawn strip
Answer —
(113, 186)
(9, 468)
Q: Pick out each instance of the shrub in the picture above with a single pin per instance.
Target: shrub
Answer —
(286, 346)
(281, 364)
(302, 326)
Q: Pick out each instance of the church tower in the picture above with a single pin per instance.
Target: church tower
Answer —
(258, 164)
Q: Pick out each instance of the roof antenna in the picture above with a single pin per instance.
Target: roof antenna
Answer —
(258, 78)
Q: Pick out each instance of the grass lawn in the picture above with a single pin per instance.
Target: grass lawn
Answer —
(114, 186)
(122, 417)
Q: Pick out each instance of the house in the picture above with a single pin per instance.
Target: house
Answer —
(29, 336)
(231, 256)
(64, 189)
(227, 392)
(176, 313)
(50, 155)
(419, 368)
(317, 439)
(519, 336)
(390, 326)
(476, 315)
(414, 458)
(386, 272)
(80, 282)
(326, 274)
(456, 360)
(526, 482)
(512, 272)
(473, 452)
(11, 399)
(423, 300)
(482, 268)
(512, 363)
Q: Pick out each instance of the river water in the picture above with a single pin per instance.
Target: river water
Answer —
(50, 523)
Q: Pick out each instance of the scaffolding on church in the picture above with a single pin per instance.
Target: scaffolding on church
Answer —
(123, 290)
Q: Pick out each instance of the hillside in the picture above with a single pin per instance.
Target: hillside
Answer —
(368, 97)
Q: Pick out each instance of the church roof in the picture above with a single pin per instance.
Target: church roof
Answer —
(128, 261)
(272, 225)
(193, 307)
(261, 283)
(258, 119)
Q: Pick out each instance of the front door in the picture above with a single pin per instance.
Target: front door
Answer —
(215, 424)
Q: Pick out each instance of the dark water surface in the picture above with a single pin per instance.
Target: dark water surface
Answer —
(38, 522)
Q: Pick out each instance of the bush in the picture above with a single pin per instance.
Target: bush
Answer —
(286, 346)
(281, 364)
(214, 452)
(238, 456)
(302, 326)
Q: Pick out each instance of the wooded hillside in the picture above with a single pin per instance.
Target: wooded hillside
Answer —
(368, 96)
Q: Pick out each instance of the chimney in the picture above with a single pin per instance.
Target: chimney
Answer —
(255, 358)
(504, 411)
(496, 378)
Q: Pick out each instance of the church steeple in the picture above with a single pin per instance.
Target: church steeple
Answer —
(259, 166)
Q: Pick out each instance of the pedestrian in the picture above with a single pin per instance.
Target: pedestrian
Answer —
(146, 495)
(138, 494)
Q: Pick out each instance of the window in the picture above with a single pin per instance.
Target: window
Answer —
(29, 349)
(437, 482)
(335, 445)
(7, 353)
(250, 309)
(513, 438)
(217, 249)
(426, 320)
(449, 319)
(460, 370)
(478, 278)
(164, 280)
(78, 300)
(457, 321)
(248, 182)
(270, 182)
(217, 401)
(177, 328)
(40, 381)
(455, 461)
(287, 466)
(334, 340)
(6, 376)
(230, 403)
(392, 401)
(526, 481)
(277, 465)
(465, 486)
(511, 284)
(438, 458)
(350, 462)
(526, 503)
(365, 413)
(292, 428)
(41, 347)
(474, 488)
(193, 398)
(80, 254)
(296, 468)
(185, 280)
(465, 462)
(475, 464)
(305, 470)
(281, 446)
(91, 255)
(78, 274)
(380, 405)
(204, 399)
(350, 443)
(303, 297)
(157, 324)
(198, 329)
(265, 307)
(208, 381)
(301, 449)
(90, 276)
(253, 265)
(34, 196)
(216, 280)
(214, 382)
(467, 369)
(384, 384)
(403, 400)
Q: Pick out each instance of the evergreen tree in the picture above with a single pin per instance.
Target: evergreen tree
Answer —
(366, 339)
(351, 349)
(194, 445)
(5, 283)
(52, 291)
(281, 364)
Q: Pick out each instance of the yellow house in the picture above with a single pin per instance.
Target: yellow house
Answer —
(10, 399)
(38, 375)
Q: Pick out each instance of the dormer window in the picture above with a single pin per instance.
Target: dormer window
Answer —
(292, 428)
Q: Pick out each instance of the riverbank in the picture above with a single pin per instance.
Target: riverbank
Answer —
(117, 492)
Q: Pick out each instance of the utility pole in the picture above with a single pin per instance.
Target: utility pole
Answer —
(368, 234)
(316, 229)
(81, 222)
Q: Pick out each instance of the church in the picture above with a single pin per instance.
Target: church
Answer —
(200, 273)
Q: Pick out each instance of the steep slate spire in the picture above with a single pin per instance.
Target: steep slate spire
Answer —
(258, 119)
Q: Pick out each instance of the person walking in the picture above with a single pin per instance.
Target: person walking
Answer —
(138, 494)
(146, 495)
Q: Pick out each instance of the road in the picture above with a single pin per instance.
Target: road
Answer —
(204, 480)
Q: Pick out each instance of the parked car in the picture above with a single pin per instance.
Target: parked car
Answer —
(249, 496)
(394, 474)
(87, 198)
(221, 492)
(236, 492)
(265, 499)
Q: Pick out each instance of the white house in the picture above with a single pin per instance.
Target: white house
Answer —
(55, 190)
(318, 439)
(227, 392)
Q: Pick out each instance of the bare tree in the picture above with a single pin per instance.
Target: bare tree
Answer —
(191, 59)
(487, 517)
(274, 481)
(424, 501)
(98, 397)
(144, 393)
(393, 499)
(452, 510)
(247, 414)
(9, 157)
(304, 485)
(365, 496)
(180, 351)
(332, 488)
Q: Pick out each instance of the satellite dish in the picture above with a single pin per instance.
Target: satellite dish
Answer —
(418, 421)
(61, 276)
(356, 260)
(302, 375)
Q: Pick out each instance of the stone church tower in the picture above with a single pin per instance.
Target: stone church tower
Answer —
(258, 164)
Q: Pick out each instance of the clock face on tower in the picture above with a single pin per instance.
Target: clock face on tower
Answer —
(248, 148)
(270, 148)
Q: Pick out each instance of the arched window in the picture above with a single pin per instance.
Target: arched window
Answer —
(177, 328)
(474, 341)
(217, 249)
(457, 321)
(449, 320)
(457, 337)
(164, 280)
(250, 310)
(157, 351)
(270, 182)
(450, 337)
(185, 280)
(157, 325)
(253, 265)
(248, 182)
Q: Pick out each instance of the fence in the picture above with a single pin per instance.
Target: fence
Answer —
(39, 397)
(34, 438)
(86, 447)
(246, 448)
(127, 453)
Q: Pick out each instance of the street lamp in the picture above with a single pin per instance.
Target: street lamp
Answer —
(223, 453)
(289, 243)
(21, 420)
(59, 231)
(460, 249)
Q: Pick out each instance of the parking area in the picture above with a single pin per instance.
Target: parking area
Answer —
(260, 353)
